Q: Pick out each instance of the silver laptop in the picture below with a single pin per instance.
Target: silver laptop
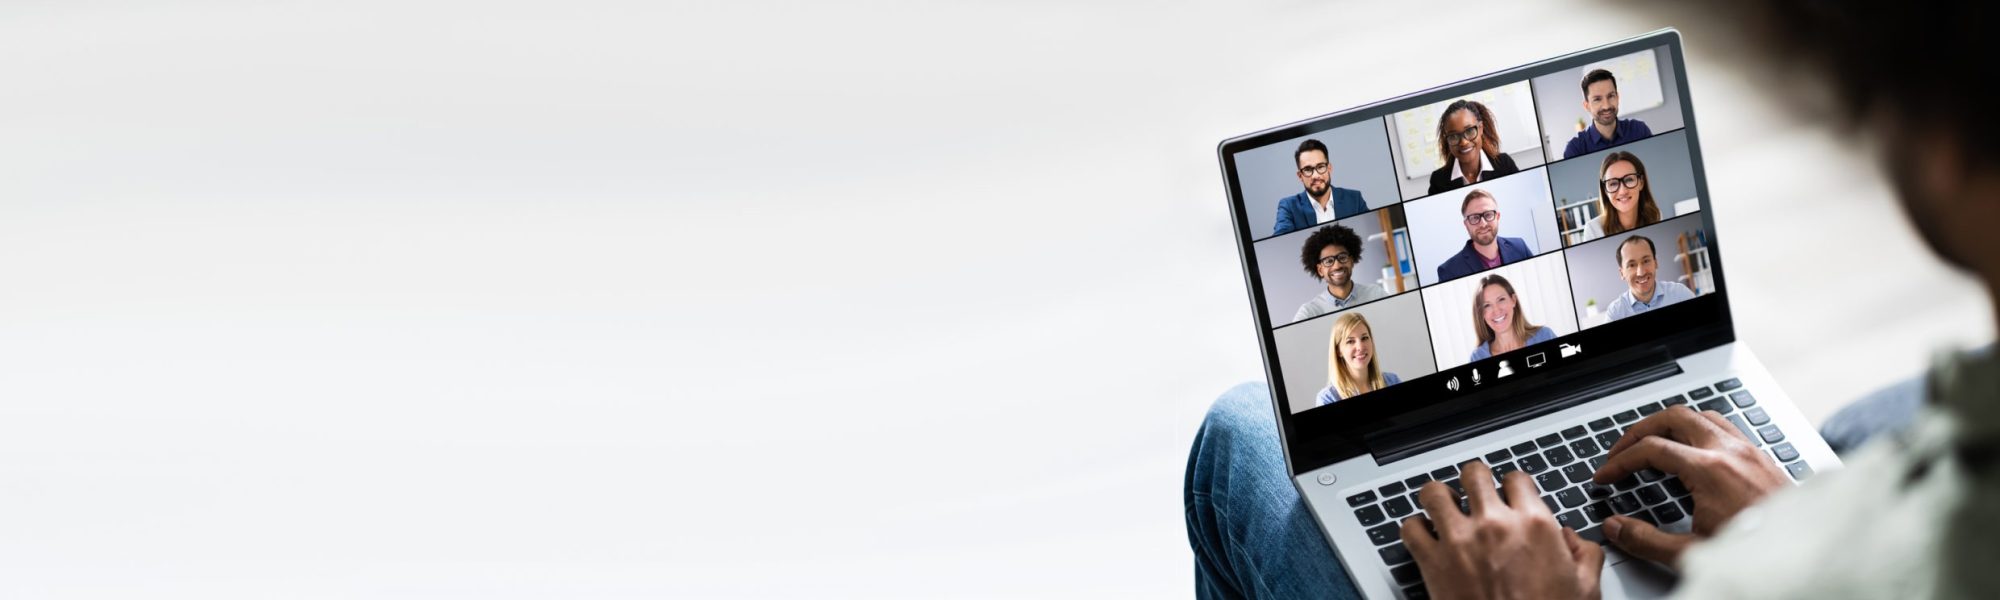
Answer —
(1513, 268)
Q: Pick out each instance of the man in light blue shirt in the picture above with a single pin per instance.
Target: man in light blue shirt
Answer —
(1643, 289)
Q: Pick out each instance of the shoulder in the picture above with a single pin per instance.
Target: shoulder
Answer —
(1638, 127)
(1328, 396)
(1391, 378)
(1503, 162)
(1543, 334)
(1577, 145)
(1292, 200)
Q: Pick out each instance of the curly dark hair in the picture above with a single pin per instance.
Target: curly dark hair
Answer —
(1331, 235)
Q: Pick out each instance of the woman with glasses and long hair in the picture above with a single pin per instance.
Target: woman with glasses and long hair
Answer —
(1497, 318)
(1624, 201)
(1469, 143)
(1351, 369)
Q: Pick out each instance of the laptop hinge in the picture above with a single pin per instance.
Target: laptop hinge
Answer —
(1450, 422)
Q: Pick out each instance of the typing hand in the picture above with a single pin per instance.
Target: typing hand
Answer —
(1723, 472)
(1509, 548)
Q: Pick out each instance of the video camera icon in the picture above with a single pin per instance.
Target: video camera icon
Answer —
(1569, 350)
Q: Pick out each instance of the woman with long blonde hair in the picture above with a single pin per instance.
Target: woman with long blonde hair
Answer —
(1351, 368)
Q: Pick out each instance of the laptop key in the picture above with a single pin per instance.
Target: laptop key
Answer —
(1406, 574)
(1728, 384)
(1743, 398)
(1647, 410)
(1573, 520)
(1743, 428)
(1598, 491)
(1674, 399)
(1756, 416)
(1551, 501)
(1652, 494)
(1584, 448)
(1498, 456)
(1369, 516)
(1627, 484)
(1550, 481)
(1668, 513)
(1675, 487)
(1770, 434)
(1558, 456)
(1575, 433)
(1799, 470)
(1602, 424)
(1524, 448)
(1361, 498)
(1571, 498)
(1597, 462)
(1398, 507)
(1626, 417)
(1785, 452)
(1687, 504)
(1626, 504)
(1534, 464)
(1594, 534)
(1395, 555)
(1457, 487)
(1501, 470)
(1550, 440)
(1417, 481)
(1701, 394)
(1596, 512)
(1416, 592)
(1578, 473)
(1445, 472)
(1388, 532)
(1608, 439)
(1720, 405)
(1394, 488)
(1650, 475)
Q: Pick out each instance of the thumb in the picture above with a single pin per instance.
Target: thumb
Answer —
(1645, 541)
(1589, 559)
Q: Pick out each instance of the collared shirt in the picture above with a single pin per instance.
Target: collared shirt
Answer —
(1325, 302)
(1325, 214)
(1912, 514)
(1664, 293)
(1460, 173)
(1589, 140)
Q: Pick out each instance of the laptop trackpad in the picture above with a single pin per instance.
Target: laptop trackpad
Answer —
(1628, 577)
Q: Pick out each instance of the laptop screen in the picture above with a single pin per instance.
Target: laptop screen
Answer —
(1460, 239)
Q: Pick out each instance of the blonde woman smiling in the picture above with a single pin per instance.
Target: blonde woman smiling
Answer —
(1350, 361)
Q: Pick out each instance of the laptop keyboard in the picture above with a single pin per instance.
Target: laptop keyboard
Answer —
(1562, 462)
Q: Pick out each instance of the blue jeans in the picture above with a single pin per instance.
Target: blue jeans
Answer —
(1253, 538)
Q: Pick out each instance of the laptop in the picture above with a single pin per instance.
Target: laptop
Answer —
(1513, 268)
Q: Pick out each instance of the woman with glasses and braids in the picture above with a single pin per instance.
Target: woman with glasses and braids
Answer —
(1624, 201)
(1469, 143)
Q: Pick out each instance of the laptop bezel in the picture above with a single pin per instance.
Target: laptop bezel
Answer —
(1329, 434)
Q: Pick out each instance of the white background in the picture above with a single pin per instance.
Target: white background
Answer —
(449, 299)
(1540, 285)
